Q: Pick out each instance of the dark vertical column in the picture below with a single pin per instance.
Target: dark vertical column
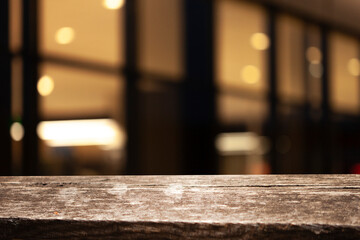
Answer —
(5, 90)
(308, 135)
(30, 95)
(198, 97)
(272, 125)
(132, 122)
(325, 106)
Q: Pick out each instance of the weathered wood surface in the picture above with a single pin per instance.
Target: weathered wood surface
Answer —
(181, 207)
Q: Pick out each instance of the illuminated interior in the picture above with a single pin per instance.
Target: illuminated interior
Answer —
(278, 87)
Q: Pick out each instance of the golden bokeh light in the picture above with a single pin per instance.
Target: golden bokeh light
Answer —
(45, 85)
(113, 4)
(353, 67)
(313, 55)
(65, 35)
(85, 132)
(17, 131)
(260, 41)
(250, 74)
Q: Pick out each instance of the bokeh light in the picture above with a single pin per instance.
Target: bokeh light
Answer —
(316, 70)
(45, 85)
(260, 41)
(313, 55)
(353, 67)
(65, 35)
(113, 4)
(103, 132)
(17, 131)
(250, 74)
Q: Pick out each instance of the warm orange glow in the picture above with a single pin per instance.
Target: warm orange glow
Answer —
(313, 55)
(354, 67)
(100, 132)
(113, 4)
(45, 85)
(241, 142)
(259, 41)
(65, 35)
(250, 74)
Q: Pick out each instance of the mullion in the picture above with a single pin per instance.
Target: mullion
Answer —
(30, 153)
(5, 90)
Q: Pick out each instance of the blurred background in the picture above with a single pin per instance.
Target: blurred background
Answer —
(179, 87)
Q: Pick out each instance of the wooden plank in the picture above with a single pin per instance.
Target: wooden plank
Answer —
(181, 207)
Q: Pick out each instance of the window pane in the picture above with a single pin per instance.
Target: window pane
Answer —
(82, 29)
(234, 110)
(241, 42)
(79, 92)
(160, 37)
(83, 131)
(16, 129)
(313, 67)
(290, 39)
(15, 25)
(160, 146)
(344, 86)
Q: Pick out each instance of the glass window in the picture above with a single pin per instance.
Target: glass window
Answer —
(241, 41)
(290, 41)
(82, 131)
(15, 25)
(88, 30)
(344, 66)
(314, 68)
(16, 129)
(233, 109)
(68, 91)
(160, 37)
(159, 127)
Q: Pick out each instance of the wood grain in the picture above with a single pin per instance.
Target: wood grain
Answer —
(181, 207)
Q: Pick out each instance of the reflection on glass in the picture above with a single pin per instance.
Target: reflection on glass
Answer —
(354, 67)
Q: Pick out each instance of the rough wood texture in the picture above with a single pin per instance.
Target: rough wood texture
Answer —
(181, 207)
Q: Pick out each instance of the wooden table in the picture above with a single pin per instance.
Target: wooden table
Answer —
(181, 207)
